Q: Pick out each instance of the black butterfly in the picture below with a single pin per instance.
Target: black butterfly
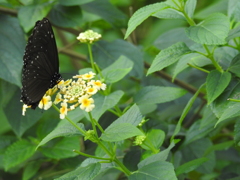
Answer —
(40, 64)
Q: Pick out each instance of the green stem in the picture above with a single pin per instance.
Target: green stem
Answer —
(235, 100)
(176, 4)
(69, 120)
(189, 20)
(124, 169)
(114, 112)
(93, 124)
(99, 71)
(118, 110)
(235, 47)
(201, 69)
(90, 156)
(98, 125)
(91, 57)
(210, 56)
(153, 149)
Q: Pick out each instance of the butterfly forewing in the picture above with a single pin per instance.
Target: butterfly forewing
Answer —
(41, 65)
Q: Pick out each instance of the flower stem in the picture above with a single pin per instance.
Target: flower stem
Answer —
(99, 71)
(90, 156)
(235, 100)
(93, 124)
(124, 169)
(210, 56)
(114, 112)
(91, 57)
(201, 69)
(69, 120)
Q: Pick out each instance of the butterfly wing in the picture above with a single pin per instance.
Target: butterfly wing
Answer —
(41, 65)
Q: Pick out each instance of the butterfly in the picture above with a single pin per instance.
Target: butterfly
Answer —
(40, 64)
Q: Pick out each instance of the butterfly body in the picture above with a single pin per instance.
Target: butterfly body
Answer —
(40, 64)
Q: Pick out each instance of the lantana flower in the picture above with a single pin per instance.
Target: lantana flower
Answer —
(86, 103)
(72, 93)
(89, 36)
(45, 103)
(63, 110)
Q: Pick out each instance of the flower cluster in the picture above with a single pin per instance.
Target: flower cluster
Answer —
(72, 93)
(139, 139)
(89, 36)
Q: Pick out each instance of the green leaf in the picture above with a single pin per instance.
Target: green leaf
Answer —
(195, 132)
(169, 13)
(237, 132)
(17, 153)
(233, 33)
(168, 56)
(216, 83)
(199, 147)
(103, 103)
(208, 118)
(183, 62)
(224, 56)
(235, 65)
(65, 16)
(105, 53)
(171, 37)
(132, 116)
(234, 10)
(62, 149)
(62, 130)
(82, 173)
(190, 7)
(190, 166)
(12, 45)
(154, 139)
(31, 169)
(74, 2)
(158, 94)
(142, 14)
(211, 31)
(159, 170)
(230, 112)
(117, 70)
(120, 131)
(147, 108)
(185, 111)
(214, 7)
(219, 147)
(36, 12)
(221, 104)
(108, 12)
(161, 156)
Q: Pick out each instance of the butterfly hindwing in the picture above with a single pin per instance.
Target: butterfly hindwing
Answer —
(41, 65)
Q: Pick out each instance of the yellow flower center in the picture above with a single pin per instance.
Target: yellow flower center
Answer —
(86, 102)
(44, 100)
(98, 83)
(90, 90)
(63, 109)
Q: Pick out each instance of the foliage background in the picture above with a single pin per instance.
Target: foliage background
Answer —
(198, 134)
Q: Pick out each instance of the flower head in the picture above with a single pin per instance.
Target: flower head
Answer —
(89, 36)
(139, 140)
(72, 93)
